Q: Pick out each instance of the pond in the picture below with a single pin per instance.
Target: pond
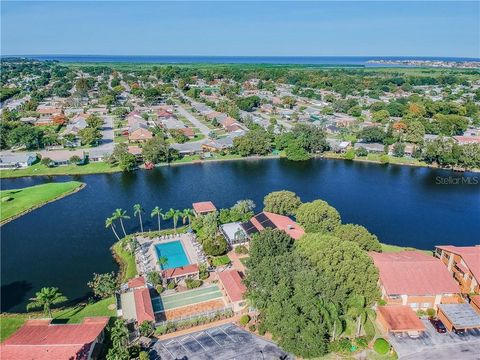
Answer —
(63, 243)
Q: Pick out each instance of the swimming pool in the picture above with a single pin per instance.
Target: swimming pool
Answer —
(174, 252)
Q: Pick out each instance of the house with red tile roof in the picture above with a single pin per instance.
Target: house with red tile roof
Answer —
(188, 132)
(203, 207)
(139, 132)
(463, 262)
(40, 340)
(232, 286)
(274, 221)
(415, 279)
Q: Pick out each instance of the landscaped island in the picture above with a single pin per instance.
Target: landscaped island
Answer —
(16, 202)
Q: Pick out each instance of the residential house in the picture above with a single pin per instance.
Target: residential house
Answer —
(17, 160)
(60, 158)
(188, 132)
(370, 147)
(41, 340)
(231, 284)
(270, 220)
(464, 140)
(139, 132)
(203, 207)
(96, 155)
(463, 262)
(415, 279)
(218, 144)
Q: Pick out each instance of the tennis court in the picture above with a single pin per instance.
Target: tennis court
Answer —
(185, 298)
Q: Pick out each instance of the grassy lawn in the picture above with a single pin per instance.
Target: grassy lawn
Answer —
(395, 248)
(128, 268)
(41, 170)
(18, 201)
(9, 323)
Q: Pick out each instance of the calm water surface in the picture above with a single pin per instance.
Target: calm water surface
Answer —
(63, 243)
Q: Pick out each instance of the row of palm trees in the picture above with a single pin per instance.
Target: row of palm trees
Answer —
(138, 210)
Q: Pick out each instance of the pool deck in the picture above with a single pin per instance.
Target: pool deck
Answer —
(151, 254)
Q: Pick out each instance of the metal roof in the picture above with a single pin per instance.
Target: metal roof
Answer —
(461, 315)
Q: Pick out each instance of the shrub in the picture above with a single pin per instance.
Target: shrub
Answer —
(215, 247)
(193, 283)
(341, 346)
(369, 330)
(143, 356)
(203, 273)
(421, 313)
(241, 249)
(103, 285)
(146, 328)
(252, 328)
(261, 329)
(46, 161)
(431, 312)
(381, 346)
(244, 320)
(161, 330)
(171, 285)
(384, 159)
(349, 155)
(361, 342)
(221, 260)
(159, 288)
(153, 277)
(361, 151)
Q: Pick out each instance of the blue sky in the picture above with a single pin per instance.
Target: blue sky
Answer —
(359, 28)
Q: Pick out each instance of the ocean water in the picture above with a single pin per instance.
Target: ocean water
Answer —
(280, 60)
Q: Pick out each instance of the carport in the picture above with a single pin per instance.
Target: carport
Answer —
(458, 316)
(399, 319)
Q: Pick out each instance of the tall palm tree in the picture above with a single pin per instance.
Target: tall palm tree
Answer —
(157, 212)
(175, 214)
(138, 210)
(121, 214)
(357, 311)
(331, 317)
(162, 260)
(187, 214)
(45, 298)
(109, 223)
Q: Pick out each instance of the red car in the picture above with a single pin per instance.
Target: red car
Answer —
(438, 325)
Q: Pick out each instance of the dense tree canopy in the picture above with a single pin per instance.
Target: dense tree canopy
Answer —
(318, 216)
(359, 235)
(349, 269)
(282, 202)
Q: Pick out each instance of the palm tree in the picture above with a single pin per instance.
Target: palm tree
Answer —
(162, 260)
(331, 317)
(175, 214)
(357, 311)
(157, 212)
(121, 214)
(138, 210)
(45, 298)
(109, 223)
(187, 214)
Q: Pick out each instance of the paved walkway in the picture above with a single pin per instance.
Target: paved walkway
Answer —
(237, 264)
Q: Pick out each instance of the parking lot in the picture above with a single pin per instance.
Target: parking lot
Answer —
(220, 343)
(432, 345)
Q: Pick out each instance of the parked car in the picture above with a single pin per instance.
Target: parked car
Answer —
(459, 331)
(438, 325)
(413, 334)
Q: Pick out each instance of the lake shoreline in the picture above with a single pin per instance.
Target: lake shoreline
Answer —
(37, 206)
(329, 156)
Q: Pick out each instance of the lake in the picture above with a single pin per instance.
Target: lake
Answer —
(63, 243)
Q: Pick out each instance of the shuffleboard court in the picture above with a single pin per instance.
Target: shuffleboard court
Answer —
(186, 298)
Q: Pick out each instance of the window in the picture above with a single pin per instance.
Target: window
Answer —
(414, 305)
